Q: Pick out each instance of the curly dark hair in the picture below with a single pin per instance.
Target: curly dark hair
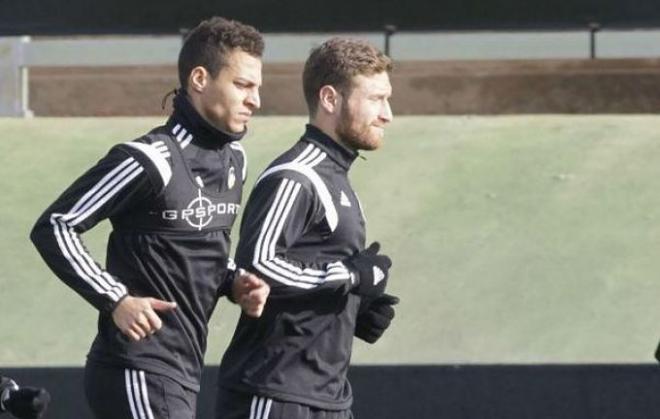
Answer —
(336, 62)
(210, 43)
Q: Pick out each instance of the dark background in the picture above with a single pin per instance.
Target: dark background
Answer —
(53, 17)
(432, 392)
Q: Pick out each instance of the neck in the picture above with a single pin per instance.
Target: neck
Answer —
(329, 128)
(186, 112)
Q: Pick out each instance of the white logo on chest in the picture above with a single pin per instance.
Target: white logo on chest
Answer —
(231, 177)
(343, 200)
(200, 211)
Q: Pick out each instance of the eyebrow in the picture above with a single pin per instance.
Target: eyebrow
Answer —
(381, 94)
(242, 79)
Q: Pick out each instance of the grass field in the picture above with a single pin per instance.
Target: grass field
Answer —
(515, 239)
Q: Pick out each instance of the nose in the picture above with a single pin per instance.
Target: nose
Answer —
(253, 100)
(386, 112)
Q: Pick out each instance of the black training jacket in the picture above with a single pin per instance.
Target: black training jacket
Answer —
(301, 221)
(172, 196)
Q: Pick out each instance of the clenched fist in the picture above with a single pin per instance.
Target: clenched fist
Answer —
(250, 292)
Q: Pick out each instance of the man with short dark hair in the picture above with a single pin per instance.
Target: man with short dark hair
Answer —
(172, 196)
(303, 231)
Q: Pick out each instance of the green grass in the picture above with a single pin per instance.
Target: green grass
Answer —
(532, 239)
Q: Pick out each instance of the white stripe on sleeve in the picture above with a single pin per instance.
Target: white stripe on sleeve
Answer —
(304, 153)
(157, 158)
(265, 259)
(99, 284)
(187, 141)
(108, 194)
(100, 184)
(311, 156)
(320, 187)
(69, 241)
(317, 160)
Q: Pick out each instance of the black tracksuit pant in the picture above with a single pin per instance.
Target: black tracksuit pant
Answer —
(235, 405)
(124, 393)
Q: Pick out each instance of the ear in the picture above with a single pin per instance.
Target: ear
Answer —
(198, 79)
(329, 99)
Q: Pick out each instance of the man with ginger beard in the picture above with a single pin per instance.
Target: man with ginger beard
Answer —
(304, 233)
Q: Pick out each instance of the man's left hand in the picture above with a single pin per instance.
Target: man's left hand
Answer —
(250, 292)
(372, 322)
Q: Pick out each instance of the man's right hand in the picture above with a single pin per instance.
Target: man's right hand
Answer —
(136, 317)
(370, 271)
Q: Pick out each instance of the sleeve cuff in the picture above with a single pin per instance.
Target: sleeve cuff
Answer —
(110, 306)
(227, 285)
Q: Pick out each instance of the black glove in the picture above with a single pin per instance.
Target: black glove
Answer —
(23, 402)
(370, 271)
(372, 322)
(6, 386)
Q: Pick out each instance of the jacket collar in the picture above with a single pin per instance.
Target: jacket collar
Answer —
(337, 152)
(188, 125)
